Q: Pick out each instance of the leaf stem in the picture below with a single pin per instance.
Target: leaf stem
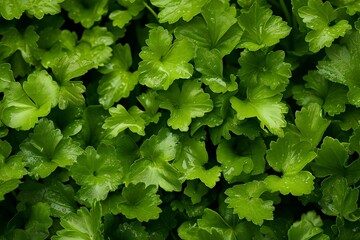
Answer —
(151, 10)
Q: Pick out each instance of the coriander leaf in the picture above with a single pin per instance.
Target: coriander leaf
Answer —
(317, 16)
(163, 60)
(86, 13)
(25, 42)
(135, 201)
(261, 68)
(37, 227)
(297, 184)
(46, 149)
(185, 104)
(210, 65)
(191, 156)
(352, 6)
(216, 29)
(153, 168)
(261, 28)
(122, 17)
(97, 172)
(338, 199)
(59, 196)
(311, 124)
(332, 161)
(122, 119)
(246, 202)
(172, 10)
(355, 141)
(38, 8)
(84, 224)
(332, 96)
(235, 158)
(195, 190)
(340, 66)
(130, 231)
(264, 104)
(118, 81)
(6, 76)
(22, 106)
(309, 227)
(10, 9)
(12, 169)
(289, 155)
(150, 102)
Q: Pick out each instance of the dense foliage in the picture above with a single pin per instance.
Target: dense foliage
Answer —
(179, 119)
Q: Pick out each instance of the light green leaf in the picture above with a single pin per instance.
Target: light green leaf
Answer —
(38, 8)
(309, 227)
(6, 76)
(261, 28)
(10, 9)
(317, 16)
(289, 154)
(97, 172)
(172, 10)
(85, 225)
(135, 201)
(86, 14)
(46, 149)
(153, 168)
(185, 104)
(190, 160)
(164, 60)
(118, 81)
(132, 9)
(122, 119)
(297, 184)
(264, 104)
(246, 202)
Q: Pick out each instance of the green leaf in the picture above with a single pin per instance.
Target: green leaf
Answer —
(153, 168)
(6, 76)
(289, 155)
(355, 140)
(309, 227)
(97, 172)
(216, 29)
(46, 149)
(191, 158)
(210, 65)
(332, 161)
(244, 158)
(10, 9)
(85, 13)
(38, 8)
(332, 96)
(340, 66)
(311, 124)
(118, 81)
(37, 227)
(172, 10)
(131, 231)
(317, 16)
(195, 190)
(12, 169)
(261, 68)
(135, 201)
(84, 224)
(352, 6)
(185, 104)
(264, 104)
(25, 42)
(122, 17)
(163, 60)
(297, 184)
(338, 199)
(122, 119)
(150, 103)
(246, 201)
(58, 196)
(261, 28)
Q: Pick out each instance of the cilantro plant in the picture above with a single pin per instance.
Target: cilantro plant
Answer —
(179, 119)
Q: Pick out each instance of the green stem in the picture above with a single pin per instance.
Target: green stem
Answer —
(151, 10)
(286, 12)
